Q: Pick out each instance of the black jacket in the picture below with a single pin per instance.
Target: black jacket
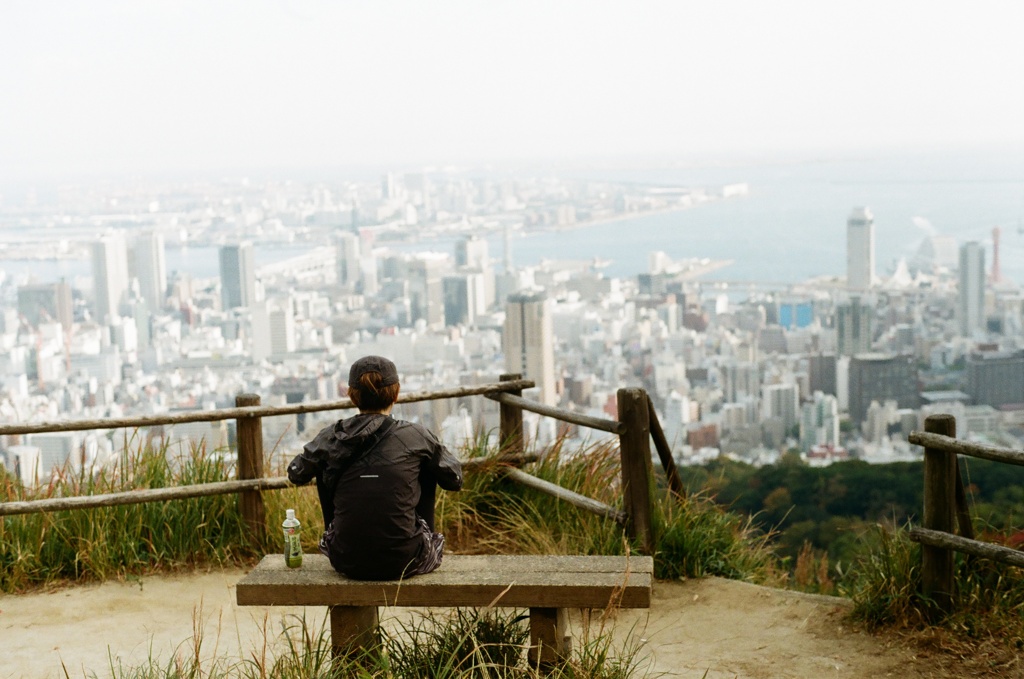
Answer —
(373, 473)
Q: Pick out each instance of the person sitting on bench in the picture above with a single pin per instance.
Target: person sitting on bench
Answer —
(376, 478)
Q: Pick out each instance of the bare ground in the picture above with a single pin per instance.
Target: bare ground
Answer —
(710, 628)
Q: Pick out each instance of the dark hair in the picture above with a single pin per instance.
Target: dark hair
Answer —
(371, 395)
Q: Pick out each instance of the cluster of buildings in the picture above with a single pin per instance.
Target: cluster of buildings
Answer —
(837, 367)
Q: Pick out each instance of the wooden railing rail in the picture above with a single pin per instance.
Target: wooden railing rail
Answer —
(945, 508)
(635, 427)
(144, 495)
(954, 445)
(985, 550)
(575, 499)
(675, 484)
(610, 426)
(248, 411)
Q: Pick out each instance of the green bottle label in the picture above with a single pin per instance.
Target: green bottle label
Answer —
(292, 548)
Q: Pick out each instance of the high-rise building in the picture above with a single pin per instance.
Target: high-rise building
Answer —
(472, 256)
(821, 373)
(881, 377)
(740, 380)
(853, 327)
(971, 292)
(109, 274)
(528, 342)
(237, 275)
(860, 249)
(46, 302)
(996, 378)
(282, 328)
(819, 422)
(388, 187)
(781, 401)
(463, 298)
(472, 252)
(151, 268)
(426, 293)
(346, 248)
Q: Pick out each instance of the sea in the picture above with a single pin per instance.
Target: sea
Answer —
(791, 226)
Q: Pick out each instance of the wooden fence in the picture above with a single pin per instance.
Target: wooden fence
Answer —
(636, 426)
(945, 505)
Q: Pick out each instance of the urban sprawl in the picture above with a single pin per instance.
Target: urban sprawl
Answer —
(419, 268)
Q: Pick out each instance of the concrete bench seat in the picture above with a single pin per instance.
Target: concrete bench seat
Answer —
(547, 585)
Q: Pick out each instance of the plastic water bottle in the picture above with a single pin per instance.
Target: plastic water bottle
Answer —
(292, 544)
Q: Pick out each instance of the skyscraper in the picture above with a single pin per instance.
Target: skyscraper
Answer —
(426, 292)
(237, 275)
(971, 293)
(471, 255)
(282, 328)
(463, 298)
(46, 302)
(860, 249)
(781, 401)
(528, 343)
(472, 252)
(346, 248)
(853, 327)
(151, 268)
(109, 274)
(881, 377)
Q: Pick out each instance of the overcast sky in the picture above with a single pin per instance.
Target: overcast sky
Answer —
(129, 86)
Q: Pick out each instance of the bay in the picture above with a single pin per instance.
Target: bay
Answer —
(791, 226)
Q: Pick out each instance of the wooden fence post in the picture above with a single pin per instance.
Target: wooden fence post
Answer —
(940, 468)
(511, 429)
(250, 466)
(675, 484)
(635, 456)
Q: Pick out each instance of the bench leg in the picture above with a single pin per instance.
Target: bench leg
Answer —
(548, 641)
(354, 629)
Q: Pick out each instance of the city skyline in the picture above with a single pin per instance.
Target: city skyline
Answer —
(745, 368)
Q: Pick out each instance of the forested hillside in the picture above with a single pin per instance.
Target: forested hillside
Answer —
(829, 507)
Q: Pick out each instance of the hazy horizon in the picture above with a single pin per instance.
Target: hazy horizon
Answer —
(118, 88)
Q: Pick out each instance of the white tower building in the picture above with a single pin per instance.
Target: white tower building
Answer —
(237, 275)
(151, 269)
(971, 293)
(110, 274)
(860, 249)
(282, 328)
(528, 342)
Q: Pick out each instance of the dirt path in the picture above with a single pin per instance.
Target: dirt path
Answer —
(701, 628)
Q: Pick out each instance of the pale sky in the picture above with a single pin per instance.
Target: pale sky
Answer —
(129, 86)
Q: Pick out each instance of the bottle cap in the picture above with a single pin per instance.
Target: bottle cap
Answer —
(289, 514)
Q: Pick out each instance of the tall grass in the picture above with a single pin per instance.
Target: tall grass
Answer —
(491, 515)
(463, 644)
(111, 542)
(694, 536)
(986, 621)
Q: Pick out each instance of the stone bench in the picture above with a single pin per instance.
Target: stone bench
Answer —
(546, 585)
